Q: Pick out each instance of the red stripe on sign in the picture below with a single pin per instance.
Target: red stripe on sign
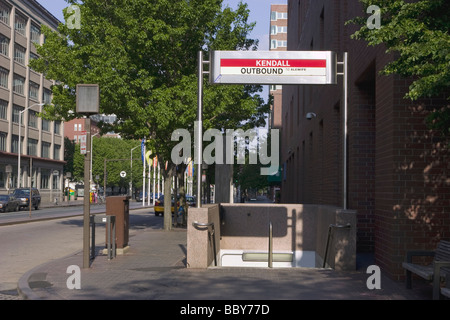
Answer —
(280, 63)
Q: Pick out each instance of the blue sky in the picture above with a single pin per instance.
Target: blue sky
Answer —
(259, 13)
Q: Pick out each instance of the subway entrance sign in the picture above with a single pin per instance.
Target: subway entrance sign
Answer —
(273, 67)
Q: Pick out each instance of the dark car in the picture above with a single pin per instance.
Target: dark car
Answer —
(190, 201)
(23, 195)
(9, 203)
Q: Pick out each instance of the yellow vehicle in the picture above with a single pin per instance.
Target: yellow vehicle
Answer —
(159, 205)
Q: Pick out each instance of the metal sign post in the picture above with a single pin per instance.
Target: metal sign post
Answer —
(198, 139)
(88, 102)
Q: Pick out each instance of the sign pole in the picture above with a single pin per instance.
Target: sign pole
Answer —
(199, 131)
(344, 75)
(87, 187)
(87, 103)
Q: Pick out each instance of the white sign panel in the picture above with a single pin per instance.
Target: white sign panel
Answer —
(273, 67)
(82, 139)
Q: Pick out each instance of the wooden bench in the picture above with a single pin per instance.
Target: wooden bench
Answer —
(435, 272)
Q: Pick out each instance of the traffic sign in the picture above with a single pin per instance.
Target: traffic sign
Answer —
(123, 174)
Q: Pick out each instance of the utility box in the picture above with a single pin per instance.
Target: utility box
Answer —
(119, 206)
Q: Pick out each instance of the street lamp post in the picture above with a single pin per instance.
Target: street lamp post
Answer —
(20, 139)
(131, 173)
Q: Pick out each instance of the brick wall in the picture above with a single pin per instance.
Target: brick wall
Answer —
(398, 177)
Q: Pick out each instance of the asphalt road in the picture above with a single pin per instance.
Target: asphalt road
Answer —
(24, 246)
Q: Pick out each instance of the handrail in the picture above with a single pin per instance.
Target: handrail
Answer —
(210, 234)
(343, 226)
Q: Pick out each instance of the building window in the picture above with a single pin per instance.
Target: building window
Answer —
(79, 127)
(4, 45)
(273, 44)
(47, 96)
(32, 119)
(282, 15)
(45, 125)
(55, 185)
(281, 29)
(32, 147)
(45, 152)
(75, 127)
(35, 34)
(3, 109)
(15, 144)
(2, 141)
(273, 16)
(34, 91)
(4, 13)
(20, 24)
(4, 74)
(18, 84)
(57, 152)
(45, 178)
(75, 139)
(57, 128)
(19, 54)
(16, 114)
(281, 44)
(273, 30)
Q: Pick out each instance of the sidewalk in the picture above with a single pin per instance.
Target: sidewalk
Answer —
(154, 269)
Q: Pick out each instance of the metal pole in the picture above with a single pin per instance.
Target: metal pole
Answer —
(345, 85)
(104, 180)
(143, 179)
(19, 151)
(270, 259)
(199, 130)
(87, 187)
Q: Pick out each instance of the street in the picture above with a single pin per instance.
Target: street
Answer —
(26, 245)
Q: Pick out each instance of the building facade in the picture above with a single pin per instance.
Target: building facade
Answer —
(278, 42)
(397, 169)
(23, 92)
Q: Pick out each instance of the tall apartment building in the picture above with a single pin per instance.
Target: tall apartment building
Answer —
(398, 169)
(23, 91)
(278, 42)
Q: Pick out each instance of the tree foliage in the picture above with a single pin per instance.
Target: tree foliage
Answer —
(143, 55)
(110, 148)
(417, 32)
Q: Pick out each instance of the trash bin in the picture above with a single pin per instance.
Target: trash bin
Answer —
(118, 206)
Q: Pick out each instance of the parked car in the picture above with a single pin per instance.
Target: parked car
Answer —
(139, 196)
(190, 200)
(9, 203)
(159, 205)
(23, 195)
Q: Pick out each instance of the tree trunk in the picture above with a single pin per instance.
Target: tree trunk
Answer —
(168, 174)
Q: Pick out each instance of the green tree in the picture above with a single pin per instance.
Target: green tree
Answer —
(143, 55)
(417, 33)
(111, 148)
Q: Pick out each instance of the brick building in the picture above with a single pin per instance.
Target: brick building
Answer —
(23, 92)
(278, 42)
(398, 177)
